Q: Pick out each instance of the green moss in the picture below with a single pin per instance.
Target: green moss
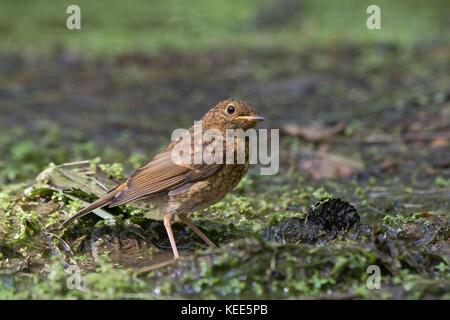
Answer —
(401, 195)
(114, 170)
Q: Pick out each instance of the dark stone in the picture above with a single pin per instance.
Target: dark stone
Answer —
(333, 215)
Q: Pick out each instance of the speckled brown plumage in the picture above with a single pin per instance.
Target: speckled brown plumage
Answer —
(178, 189)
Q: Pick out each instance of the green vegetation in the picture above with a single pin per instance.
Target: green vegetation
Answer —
(114, 27)
(249, 264)
(80, 110)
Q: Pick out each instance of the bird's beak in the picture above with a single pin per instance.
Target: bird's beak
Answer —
(251, 118)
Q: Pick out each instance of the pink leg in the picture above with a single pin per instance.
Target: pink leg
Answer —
(196, 230)
(168, 219)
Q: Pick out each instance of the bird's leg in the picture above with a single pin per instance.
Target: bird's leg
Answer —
(168, 219)
(196, 230)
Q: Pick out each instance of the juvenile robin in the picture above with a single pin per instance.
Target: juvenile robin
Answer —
(178, 188)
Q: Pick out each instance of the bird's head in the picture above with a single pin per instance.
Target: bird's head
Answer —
(231, 114)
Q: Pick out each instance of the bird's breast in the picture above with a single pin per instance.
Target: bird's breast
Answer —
(202, 194)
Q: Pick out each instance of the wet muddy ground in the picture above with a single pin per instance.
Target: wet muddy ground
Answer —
(366, 125)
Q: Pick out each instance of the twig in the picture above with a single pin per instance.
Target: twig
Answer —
(59, 238)
(156, 266)
(68, 164)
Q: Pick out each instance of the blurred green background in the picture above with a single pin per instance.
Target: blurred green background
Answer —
(137, 70)
(110, 27)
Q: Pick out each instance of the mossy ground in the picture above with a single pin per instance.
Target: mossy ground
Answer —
(267, 247)
(120, 100)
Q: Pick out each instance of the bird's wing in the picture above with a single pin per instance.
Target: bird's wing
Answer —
(161, 175)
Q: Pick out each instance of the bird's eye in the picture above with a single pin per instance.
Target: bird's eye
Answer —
(231, 109)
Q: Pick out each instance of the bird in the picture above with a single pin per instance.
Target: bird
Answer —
(177, 188)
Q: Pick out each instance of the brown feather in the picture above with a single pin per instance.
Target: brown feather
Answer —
(161, 175)
(101, 202)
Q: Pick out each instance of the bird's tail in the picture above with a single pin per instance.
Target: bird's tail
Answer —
(103, 201)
